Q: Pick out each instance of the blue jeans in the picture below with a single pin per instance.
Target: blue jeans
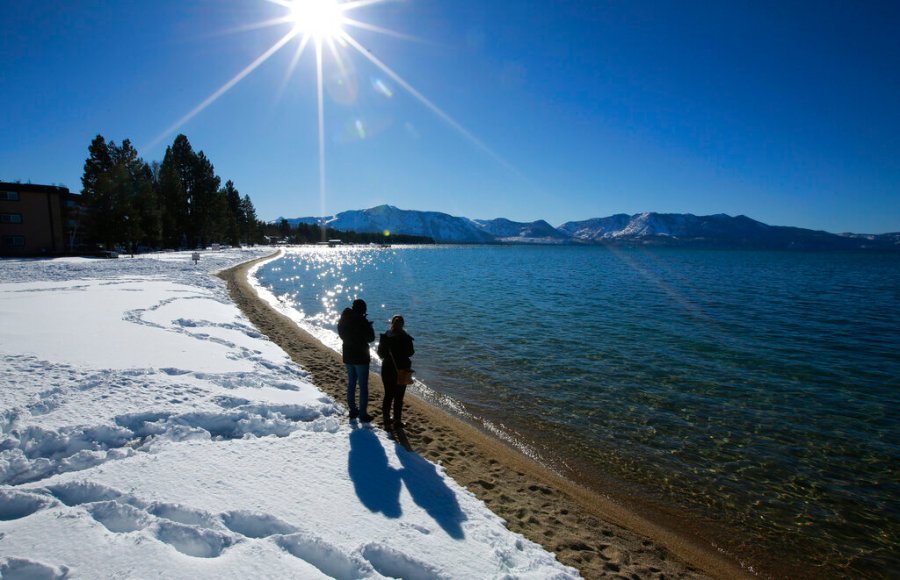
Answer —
(357, 373)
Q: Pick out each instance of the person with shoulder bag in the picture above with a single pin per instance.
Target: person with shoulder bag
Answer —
(395, 347)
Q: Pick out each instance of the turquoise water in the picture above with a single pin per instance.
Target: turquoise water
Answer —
(757, 392)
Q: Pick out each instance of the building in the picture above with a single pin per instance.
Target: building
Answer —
(38, 220)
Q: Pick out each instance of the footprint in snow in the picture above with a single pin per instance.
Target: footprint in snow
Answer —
(393, 564)
(15, 504)
(193, 541)
(23, 568)
(256, 525)
(81, 492)
(119, 518)
(198, 533)
(184, 515)
(329, 559)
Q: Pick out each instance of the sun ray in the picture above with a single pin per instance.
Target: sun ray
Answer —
(292, 66)
(282, 3)
(223, 89)
(257, 25)
(430, 105)
(350, 6)
(321, 23)
(321, 114)
(381, 30)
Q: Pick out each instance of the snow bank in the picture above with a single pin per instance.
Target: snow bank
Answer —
(146, 428)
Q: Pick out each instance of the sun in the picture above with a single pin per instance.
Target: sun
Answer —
(320, 26)
(318, 19)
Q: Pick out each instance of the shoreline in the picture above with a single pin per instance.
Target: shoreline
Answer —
(586, 530)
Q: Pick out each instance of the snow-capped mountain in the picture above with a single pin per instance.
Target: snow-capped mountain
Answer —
(535, 232)
(649, 228)
(441, 227)
(716, 231)
(677, 226)
(597, 229)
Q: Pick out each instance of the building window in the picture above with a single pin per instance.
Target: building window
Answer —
(10, 218)
(9, 196)
(13, 241)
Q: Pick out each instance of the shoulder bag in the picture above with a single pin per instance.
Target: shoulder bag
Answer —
(404, 376)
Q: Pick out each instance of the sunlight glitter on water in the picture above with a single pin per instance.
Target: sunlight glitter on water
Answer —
(756, 389)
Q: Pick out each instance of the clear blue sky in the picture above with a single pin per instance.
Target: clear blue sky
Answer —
(788, 112)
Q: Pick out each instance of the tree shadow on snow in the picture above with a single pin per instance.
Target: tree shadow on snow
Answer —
(377, 484)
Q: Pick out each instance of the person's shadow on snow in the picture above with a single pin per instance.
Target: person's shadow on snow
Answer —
(429, 491)
(377, 484)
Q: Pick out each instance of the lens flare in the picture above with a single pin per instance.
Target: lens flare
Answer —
(321, 24)
(382, 88)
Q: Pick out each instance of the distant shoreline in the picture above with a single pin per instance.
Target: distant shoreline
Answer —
(587, 531)
(651, 229)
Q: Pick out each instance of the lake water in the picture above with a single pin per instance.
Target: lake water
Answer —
(755, 392)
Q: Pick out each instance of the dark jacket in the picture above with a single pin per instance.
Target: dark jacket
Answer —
(356, 332)
(400, 345)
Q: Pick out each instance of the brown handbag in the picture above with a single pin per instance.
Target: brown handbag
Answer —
(404, 376)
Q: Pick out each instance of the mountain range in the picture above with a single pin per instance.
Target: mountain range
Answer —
(643, 229)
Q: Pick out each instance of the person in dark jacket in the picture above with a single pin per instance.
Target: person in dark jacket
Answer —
(394, 348)
(356, 333)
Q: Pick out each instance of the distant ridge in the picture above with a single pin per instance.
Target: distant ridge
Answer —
(643, 229)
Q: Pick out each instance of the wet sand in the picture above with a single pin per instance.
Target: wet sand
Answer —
(585, 530)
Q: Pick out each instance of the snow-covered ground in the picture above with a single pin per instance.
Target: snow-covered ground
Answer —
(148, 430)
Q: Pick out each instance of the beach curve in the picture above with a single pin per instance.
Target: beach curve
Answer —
(585, 530)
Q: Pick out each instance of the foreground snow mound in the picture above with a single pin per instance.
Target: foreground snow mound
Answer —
(147, 429)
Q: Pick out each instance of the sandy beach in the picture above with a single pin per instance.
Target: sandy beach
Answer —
(585, 530)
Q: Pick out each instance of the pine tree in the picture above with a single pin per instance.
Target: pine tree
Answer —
(190, 190)
(207, 206)
(97, 165)
(175, 189)
(250, 226)
(118, 191)
(284, 229)
(233, 214)
(176, 203)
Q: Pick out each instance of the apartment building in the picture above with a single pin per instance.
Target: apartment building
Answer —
(38, 220)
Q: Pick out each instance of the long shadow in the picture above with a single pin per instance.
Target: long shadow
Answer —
(377, 484)
(429, 491)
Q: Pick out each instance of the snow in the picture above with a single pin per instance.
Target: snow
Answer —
(441, 227)
(147, 429)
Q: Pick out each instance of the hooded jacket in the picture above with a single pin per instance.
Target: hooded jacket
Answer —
(398, 344)
(356, 333)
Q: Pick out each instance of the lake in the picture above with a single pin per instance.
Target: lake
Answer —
(755, 393)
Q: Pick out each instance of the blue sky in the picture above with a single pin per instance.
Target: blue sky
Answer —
(560, 110)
